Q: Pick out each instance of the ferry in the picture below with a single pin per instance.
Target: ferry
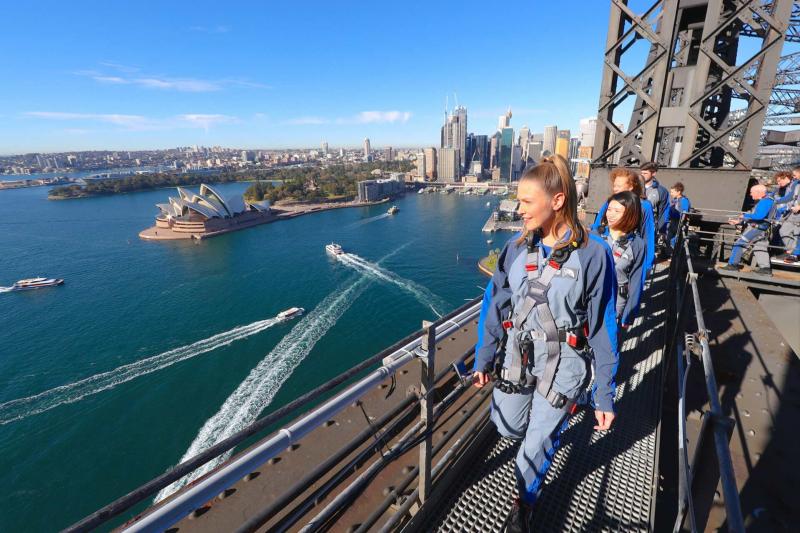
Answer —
(291, 312)
(392, 210)
(36, 283)
(334, 249)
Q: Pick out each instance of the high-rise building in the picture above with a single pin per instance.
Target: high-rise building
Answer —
(588, 127)
(460, 136)
(421, 170)
(524, 137)
(562, 143)
(574, 146)
(506, 144)
(430, 163)
(367, 149)
(516, 162)
(389, 153)
(504, 121)
(494, 150)
(480, 146)
(534, 153)
(324, 147)
(582, 168)
(447, 166)
(549, 140)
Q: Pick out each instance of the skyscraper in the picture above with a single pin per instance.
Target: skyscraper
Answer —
(549, 141)
(480, 146)
(494, 150)
(562, 143)
(534, 153)
(454, 135)
(430, 163)
(447, 167)
(506, 144)
(504, 121)
(324, 147)
(516, 162)
(588, 127)
(524, 137)
(421, 170)
(574, 146)
(367, 149)
(389, 153)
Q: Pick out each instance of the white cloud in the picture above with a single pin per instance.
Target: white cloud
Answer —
(120, 67)
(364, 117)
(203, 121)
(369, 117)
(131, 76)
(206, 121)
(306, 121)
(184, 85)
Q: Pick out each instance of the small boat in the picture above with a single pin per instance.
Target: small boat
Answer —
(334, 249)
(291, 312)
(488, 204)
(392, 210)
(488, 241)
(421, 191)
(36, 283)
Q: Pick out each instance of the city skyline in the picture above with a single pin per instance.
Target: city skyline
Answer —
(165, 76)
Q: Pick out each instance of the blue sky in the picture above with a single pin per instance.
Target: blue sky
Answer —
(141, 75)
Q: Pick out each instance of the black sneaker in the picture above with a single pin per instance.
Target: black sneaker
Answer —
(763, 271)
(791, 259)
(520, 518)
(732, 268)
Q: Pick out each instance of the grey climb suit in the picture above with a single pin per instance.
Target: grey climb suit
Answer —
(583, 292)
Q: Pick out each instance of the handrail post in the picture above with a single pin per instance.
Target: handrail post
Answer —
(427, 360)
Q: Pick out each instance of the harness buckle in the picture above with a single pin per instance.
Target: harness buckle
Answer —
(508, 324)
(572, 339)
(555, 264)
(531, 268)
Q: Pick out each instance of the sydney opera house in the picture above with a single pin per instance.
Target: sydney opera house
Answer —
(203, 214)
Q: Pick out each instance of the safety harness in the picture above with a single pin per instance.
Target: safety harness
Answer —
(618, 249)
(520, 342)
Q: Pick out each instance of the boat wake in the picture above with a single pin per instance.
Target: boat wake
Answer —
(72, 392)
(6, 289)
(256, 392)
(368, 220)
(422, 294)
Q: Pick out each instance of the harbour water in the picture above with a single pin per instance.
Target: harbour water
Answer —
(154, 350)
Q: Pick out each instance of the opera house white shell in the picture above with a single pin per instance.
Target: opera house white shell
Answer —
(205, 205)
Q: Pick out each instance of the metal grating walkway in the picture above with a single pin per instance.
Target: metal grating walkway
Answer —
(597, 482)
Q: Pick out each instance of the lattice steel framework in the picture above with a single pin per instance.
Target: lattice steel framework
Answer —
(682, 115)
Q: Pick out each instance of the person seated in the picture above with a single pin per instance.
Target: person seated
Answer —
(754, 235)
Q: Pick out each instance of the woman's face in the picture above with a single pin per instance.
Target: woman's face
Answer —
(536, 207)
(621, 184)
(614, 213)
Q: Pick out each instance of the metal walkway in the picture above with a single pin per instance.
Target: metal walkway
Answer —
(597, 481)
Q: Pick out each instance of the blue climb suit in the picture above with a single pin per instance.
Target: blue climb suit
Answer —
(647, 230)
(628, 253)
(755, 235)
(581, 296)
(677, 207)
(658, 197)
